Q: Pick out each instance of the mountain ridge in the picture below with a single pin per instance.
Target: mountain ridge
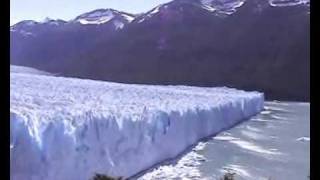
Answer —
(257, 47)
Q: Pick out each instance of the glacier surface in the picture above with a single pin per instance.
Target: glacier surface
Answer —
(70, 129)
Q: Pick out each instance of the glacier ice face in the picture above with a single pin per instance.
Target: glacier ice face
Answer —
(67, 128)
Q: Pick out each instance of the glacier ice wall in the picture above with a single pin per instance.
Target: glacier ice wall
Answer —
(66, 128)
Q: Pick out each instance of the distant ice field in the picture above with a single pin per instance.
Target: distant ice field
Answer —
(27, 70)
(67, 128)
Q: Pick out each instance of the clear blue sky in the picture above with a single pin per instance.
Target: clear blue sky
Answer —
(68, 9)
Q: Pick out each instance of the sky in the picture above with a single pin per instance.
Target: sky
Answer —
(38, 10)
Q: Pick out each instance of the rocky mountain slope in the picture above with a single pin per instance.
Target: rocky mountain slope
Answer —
(252, 45)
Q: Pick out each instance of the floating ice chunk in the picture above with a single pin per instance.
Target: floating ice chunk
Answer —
(303, 139)
(254, 129)
(259, 120)
(277, 117)
(253, 135)
(225, 138)
(272, 108)
(185, 168)
(255, 148)
(265, 112)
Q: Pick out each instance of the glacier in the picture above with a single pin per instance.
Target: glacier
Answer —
(69, 129)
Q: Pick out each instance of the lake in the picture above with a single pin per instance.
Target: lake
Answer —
(273, 145)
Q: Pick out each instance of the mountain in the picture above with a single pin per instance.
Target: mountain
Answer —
(101, 16)
(49, 43)
(252, 45)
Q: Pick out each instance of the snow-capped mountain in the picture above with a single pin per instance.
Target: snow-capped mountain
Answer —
(101, 16)
(107, 17)
(28, 24)
(24, 24)
(179, 6)
(104, 16)
(218, 7)
(78, 34)
(248, 44)
(23, 28)
(30, 28)
(49, 21)
(223, 6)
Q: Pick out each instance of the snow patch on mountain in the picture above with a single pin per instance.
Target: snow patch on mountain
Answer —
(102, 16)
(225, 7)
(99, 20)
(97, 17)
(149, 14)
(129, 18)
(141, 20)
(27, 28)
(118, 24)
(27, 23)
(304, 139)
(209, 8)
(222, 6)
(284, 3)
(26, 33)
(23, 25)
(50, 21)
(155, 10)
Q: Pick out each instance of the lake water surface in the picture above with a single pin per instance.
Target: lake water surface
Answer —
(274, 144)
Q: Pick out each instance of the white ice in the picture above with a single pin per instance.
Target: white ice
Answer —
(70, 129)
(304, 139)
(27, 70)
